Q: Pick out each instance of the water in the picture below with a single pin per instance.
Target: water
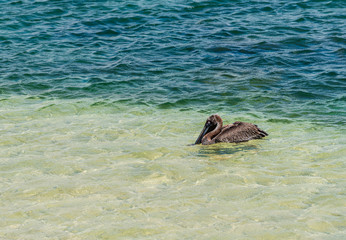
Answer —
(99, 101)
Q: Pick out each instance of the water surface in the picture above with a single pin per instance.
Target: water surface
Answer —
(99, 101)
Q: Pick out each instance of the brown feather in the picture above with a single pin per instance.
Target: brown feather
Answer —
(239, 132)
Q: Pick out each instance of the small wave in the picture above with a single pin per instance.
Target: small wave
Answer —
(219, 49)
(338, 39)
(279, 120)
(307, 95)
(298, 42)
(108, 33)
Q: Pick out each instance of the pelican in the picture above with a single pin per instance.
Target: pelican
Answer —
(214, 132)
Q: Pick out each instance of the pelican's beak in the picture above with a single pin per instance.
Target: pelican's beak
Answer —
(203, 132)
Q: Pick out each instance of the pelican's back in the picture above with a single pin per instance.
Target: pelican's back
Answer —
(239, 132)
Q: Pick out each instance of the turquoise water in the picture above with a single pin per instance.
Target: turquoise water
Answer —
(99, 101)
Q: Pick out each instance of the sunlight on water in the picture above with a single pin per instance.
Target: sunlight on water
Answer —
(96, 170)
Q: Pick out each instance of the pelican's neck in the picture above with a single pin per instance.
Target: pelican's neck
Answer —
(207, 139)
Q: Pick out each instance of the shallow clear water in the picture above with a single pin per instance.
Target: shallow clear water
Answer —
(101, 99)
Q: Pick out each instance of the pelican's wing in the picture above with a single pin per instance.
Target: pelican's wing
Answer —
(239, 132)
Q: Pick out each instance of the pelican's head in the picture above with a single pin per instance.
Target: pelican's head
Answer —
(209, 126)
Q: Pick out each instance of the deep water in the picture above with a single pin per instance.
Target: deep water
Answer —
(100, 99)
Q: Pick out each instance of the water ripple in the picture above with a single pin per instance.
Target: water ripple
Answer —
(177, 54)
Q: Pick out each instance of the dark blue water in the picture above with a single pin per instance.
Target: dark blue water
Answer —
(282, 58)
